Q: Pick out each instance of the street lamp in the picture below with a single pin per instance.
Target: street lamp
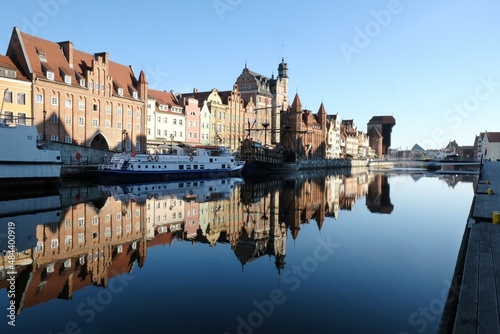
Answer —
(124, 135)
(44, 116)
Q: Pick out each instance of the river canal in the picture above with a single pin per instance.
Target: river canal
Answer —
(358, 253)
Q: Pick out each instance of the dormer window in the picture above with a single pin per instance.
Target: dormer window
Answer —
(134, 95)
(67, 79)
(42, 57)
(120, 91)
(82, 83)
(50, 75)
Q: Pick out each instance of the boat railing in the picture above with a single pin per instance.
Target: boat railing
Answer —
(7, 118)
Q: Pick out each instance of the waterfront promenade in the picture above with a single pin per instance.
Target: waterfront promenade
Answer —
(477, 276)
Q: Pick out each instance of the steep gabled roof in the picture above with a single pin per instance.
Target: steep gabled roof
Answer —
(43, 54)
(493, 137)
(7, 63)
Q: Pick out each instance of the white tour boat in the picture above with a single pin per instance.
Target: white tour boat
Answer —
(22, 163)
(199, 190)
(174, 162)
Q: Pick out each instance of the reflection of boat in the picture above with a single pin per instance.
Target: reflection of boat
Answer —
(25, 211)
(262, 160)
(172, 163)
(434, 166)
(200, 190)
(21, 161)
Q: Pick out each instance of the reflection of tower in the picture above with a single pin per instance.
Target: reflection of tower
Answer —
(378, 199)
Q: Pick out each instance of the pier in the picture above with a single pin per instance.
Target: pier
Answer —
(474, 299)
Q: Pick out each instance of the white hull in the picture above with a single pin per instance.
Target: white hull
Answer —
(21, 161)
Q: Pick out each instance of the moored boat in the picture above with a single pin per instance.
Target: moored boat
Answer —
(260, 160)
(171, 162)
(22, 162)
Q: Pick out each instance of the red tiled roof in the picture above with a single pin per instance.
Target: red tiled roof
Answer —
(6, 62)
(164, 98)
(493, 137)
(123, 76)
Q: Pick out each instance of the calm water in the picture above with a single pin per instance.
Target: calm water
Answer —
(360, 253)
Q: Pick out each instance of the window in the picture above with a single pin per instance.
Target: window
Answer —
(165, 133)
(129, 126)
(81, 222)
(165, 120)
(54, 138)
(95, 107)
(54, 119)
(128, 145)
(174, 121)
(138, 128)
(21, 98)
(107, 232)
(108, 110)
(138, 114)
(158, 120)
(67, 120)
(68, 240)
(68, 103)
(108, 124)
(67, 79)
(95, 220)
(118, 111)
(21, 118)
(134, 95)
(129, 112)
(118, 125)
(158, 132)
(120, 91)
(180, 122)
(39, 98)
(54, 243)
(68, 140)
(54, 101)
(95, 122)
(81, 121)
(81, 238)
(102, 87)
(50, 75)
(81, 105)
(82, 83)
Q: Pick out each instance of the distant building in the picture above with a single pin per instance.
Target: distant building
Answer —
(491, 146)
(383, 125)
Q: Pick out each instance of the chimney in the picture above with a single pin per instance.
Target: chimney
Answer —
(195, 90)
(67, 48)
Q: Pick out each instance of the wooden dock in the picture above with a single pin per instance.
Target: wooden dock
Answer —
(478, 307)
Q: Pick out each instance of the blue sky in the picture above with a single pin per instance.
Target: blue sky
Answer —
(433, 65)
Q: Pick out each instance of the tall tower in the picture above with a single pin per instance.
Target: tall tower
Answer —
(280, 98)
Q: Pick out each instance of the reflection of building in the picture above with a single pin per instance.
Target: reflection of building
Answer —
(378, 198)
(103, 237)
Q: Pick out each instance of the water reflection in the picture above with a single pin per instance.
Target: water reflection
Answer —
(77, 236)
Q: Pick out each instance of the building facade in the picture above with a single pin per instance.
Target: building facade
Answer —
(81, 98)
